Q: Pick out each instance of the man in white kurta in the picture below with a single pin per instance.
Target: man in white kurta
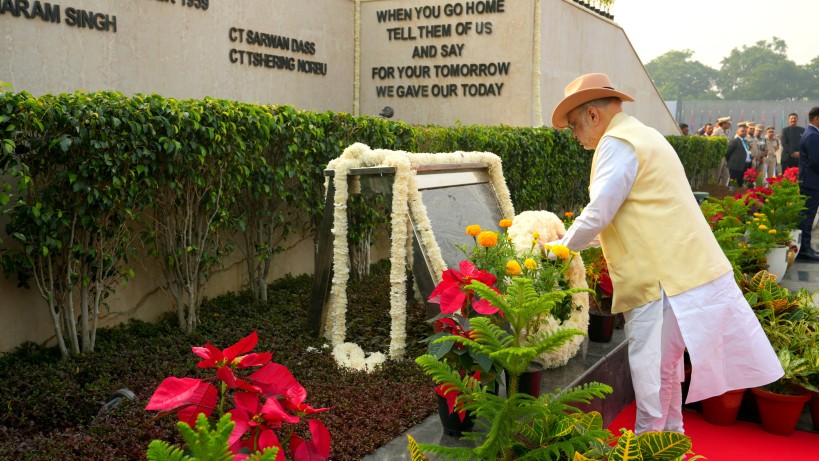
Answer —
(671, 280)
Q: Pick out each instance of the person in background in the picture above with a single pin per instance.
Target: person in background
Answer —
(671, 281)
(709, 129)
(750, 137)
(809, 183)
(684, 129)
(790, 142)
(738, 155)
(769, 148)
(759, 140)
(723, 125)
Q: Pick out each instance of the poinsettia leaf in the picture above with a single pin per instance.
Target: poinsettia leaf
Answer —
(244, 345)
(254, 360)
(440, 349)
(173, 393)
(481, 359)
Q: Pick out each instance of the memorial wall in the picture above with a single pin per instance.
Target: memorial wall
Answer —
(270, 51)
(431, 62)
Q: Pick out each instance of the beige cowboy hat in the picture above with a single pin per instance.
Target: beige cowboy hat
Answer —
(582, 90)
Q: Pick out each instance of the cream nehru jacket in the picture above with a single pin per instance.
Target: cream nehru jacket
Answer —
(659, 236)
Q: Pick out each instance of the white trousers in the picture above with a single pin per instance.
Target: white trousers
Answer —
(655, 353)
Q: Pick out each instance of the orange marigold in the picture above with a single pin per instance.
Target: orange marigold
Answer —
(487, 239)
(513, 268)
(505, 223)
(473, 230)
(569, 214)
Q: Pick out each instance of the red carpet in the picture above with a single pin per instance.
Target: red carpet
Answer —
(742, 441)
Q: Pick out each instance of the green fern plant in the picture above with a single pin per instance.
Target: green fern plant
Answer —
(520, 426)
(204, 443)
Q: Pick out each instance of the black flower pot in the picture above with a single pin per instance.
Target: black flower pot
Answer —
(529, 380)
(451, 422)
(601, 326)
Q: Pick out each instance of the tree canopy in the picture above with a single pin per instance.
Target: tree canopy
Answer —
(758, 72)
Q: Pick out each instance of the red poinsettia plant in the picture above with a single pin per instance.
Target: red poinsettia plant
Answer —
(598, 279)
(265, 401)
(458, 305)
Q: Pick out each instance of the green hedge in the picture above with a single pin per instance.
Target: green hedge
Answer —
(251, 169)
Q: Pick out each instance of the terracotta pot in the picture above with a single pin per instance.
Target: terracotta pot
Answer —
(814, 410)
(529, 381)
(722, 409)
(780, 413)
(601, 326)
(451, 421)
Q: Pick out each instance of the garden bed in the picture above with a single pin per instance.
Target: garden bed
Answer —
(50, 406)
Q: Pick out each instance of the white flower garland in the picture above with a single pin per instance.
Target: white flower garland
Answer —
(550, 227)
(406, 200)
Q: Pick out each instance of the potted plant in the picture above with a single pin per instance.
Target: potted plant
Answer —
(790, 323)
(519, 425)
(458, 307)
(601, 320)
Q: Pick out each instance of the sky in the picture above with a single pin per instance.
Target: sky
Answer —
(711, 29)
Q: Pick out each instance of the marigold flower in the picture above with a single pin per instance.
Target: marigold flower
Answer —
(560, 251)
(535, 235)
(772, 231)
(530, 264)
(513, 268)
(505, 223)
(569, 214)
(487, 239)
(473, 230)
(763, 227)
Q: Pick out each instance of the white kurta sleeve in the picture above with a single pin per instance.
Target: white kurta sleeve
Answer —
(615, 172)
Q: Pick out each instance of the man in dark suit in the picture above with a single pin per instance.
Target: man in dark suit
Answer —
(738, 155)
(809, 182)
(791, 135)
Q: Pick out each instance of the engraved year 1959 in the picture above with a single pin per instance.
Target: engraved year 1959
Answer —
(198, 4)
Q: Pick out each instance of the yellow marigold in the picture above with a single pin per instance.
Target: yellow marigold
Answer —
(561, 251)
(763, 227)
(513, 268)
(772, 231)
(569, 214)
(487, 239)
(535, 235)
(758, 214)
(530, 264)
(505, 223)
(473, 230)
(756, 219)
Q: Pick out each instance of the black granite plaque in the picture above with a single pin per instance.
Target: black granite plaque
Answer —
(452, 209)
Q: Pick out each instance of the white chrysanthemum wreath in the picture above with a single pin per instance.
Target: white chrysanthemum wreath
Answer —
(551, 228)
(406, 199)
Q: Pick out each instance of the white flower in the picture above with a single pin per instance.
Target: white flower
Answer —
(311, 349)
(550, 227)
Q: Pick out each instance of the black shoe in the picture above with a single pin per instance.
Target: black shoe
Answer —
(808, 255)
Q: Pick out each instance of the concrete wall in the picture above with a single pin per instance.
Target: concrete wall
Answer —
(530, 50)
(494, 36)
(576, 41)
(182, 51)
